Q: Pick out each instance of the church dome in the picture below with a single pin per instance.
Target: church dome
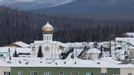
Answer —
(48, 29)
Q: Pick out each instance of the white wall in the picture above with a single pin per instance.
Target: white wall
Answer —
(125, 71)
(103, 70)
(4, 69)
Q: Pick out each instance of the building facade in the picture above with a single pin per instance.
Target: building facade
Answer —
(5, 70)
(68, 71)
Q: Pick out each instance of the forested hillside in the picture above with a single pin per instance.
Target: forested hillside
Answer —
(17, 25)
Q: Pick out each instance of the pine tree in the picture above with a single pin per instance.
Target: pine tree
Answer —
(40, 54)
(101, 48)
(15, 54)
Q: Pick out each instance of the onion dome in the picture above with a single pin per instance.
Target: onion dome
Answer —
(48, 29)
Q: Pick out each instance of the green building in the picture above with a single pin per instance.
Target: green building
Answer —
(63, 71)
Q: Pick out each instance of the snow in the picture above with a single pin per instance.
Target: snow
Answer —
(94, 50)
(37, 62)
(104, 62)
(125, 39)
(131, 34)
(3, 49)
(22, 44)
(78, 51)
(18, 50)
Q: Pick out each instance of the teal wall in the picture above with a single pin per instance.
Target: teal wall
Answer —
(55, 71)
(110, 71)
(5, 54)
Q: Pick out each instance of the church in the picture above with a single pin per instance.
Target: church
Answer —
(49, 48)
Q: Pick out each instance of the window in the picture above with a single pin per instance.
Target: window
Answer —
(47, 48)
(129, 73)
(89, 73)
(20, 73)
(103, 73)
(47, 73)
(61, 73)
(116, 73)
(33, 73)
(75, 73)
(6, 73)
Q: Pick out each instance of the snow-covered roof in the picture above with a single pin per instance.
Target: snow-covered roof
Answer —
(12, 50)
(94, 50)
(37, 62)
(120, 51)
(21, 44)
(127, 39)
(38, 41)
(55, 42)
(118, 45)
(41, 41)
(130, 34)
(131, 48)
(4, 49)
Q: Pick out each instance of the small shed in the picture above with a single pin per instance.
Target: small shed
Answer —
(93, 53)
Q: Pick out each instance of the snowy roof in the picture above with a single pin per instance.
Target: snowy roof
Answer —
(130, 34)
(118, 45)
(131, 48)
(4, 49)
(21, 44)
(38, 41)
(12, 50)
(37, 62)
(94, 50)
(41, 41)
(57, 42)
(127, 39)
(120, 51)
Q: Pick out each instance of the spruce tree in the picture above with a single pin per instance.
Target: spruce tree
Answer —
(15, 54)
(101, 54)
(40, 54)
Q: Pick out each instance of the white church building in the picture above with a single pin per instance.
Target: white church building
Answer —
(50, 49)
